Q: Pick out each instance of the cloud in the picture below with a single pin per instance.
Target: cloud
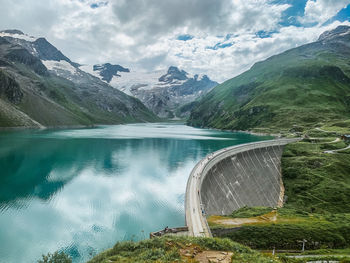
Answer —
(218, 38)
(319, 11)
(155, 17)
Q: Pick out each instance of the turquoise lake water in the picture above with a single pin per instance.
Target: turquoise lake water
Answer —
(82, 190)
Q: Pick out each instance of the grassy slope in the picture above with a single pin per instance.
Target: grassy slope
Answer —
(168, 249)
(54, 101)
(37, 103)
(246, 212)
(317, 187)
(305, 86)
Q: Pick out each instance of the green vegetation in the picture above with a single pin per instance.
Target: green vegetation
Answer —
(316, 182)
(289, 235)
(57, 257)
(177, 249)
(345, 251)
(317, 208)
(340, 259)
(189, 249)
(246, 212)
(308, 86)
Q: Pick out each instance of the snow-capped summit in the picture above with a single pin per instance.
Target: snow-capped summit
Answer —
(17, 34)
(38, 47)
(173, 74)
(162, 91)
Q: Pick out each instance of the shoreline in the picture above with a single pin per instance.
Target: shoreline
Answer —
(275, 135)
(20, 128)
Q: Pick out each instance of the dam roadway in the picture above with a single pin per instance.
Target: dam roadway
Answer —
(242, 175)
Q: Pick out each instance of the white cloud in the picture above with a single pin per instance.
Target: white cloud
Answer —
(320, 11)
(247, 49)
(143, 34)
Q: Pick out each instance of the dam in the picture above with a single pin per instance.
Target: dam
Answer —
(228, 179)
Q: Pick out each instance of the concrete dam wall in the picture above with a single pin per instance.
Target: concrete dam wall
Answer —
(242, 175)
(248, 178)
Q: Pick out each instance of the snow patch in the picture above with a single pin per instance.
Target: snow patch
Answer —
(18, 36)
(345, 33)
(89, 69)
(128, 82)
(131, 80)
(61, 66)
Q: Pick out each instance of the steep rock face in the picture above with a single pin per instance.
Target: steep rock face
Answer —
(39, 47)
(21, 55)
(45, 51)
(107, 71)
(9, 88)
(173, 74)
(339, 31)
(307, 86)
(175, 89)
(41, 87)
(162, 92)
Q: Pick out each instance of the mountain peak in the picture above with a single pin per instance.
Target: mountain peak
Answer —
(338, 31)
(46, 51)
(108, 70)
(174, 74)
(12, 31)
(17, 35)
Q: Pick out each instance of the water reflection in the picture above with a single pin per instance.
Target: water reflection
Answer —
(82, 190)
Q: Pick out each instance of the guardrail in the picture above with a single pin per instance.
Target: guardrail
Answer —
(193, 202)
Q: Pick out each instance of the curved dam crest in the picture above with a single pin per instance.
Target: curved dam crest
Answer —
(226, 180)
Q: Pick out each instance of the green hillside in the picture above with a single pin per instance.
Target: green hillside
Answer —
(316, 179)
(182, 249)
(307, 86)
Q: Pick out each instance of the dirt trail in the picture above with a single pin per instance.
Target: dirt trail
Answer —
(214, 256)
(193, 253)
(335, 151)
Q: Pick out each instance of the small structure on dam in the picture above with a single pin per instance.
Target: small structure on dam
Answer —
(242, 175)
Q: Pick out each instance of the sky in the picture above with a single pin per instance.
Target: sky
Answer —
(220, 38)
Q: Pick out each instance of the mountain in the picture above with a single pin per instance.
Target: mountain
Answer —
(163, 92)
(305, 86)
(107, 71)
(39, 87)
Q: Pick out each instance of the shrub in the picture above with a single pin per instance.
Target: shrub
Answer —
(57, 257)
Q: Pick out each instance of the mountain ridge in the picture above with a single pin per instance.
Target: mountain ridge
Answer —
(163, 92)
(304, 86)
(55, 92)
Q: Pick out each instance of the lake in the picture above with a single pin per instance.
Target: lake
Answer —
(82, 190)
